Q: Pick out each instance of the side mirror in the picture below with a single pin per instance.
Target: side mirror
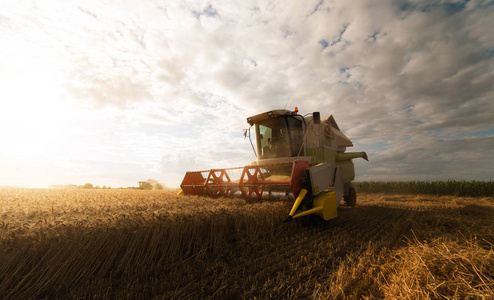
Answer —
(316, 116)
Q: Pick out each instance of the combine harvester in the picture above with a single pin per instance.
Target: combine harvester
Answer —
(297, 155)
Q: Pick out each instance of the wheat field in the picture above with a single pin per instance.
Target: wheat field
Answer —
(135, 244)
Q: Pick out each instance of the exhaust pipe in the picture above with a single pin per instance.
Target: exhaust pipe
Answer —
(351, 155)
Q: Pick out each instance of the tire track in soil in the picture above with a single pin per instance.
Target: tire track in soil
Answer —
(334, 252)
(317, 250)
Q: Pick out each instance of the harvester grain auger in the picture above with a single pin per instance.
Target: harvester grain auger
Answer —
(296, 155)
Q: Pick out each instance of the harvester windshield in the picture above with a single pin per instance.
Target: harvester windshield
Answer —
(279, 137)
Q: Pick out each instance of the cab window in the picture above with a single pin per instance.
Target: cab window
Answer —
(274, 140)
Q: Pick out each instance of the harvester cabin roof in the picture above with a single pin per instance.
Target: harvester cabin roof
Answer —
(269, 115)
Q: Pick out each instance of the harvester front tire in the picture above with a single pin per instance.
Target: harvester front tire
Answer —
(351, 198)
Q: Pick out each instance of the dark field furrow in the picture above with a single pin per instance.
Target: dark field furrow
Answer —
(288, 260)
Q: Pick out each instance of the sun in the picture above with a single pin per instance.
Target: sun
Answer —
(33, 113)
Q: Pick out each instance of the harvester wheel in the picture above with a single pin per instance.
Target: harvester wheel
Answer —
(351, 198)
(214, 182)
(248, 183)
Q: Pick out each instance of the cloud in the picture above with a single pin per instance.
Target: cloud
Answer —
(170, 84)
(431, 159)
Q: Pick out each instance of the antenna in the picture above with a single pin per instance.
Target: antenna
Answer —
(286, 103)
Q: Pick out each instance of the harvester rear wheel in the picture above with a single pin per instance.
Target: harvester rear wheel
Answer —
(351, 198)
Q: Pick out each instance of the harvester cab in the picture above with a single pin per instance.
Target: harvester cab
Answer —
(302, 156)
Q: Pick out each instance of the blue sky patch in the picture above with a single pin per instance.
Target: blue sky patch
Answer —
(435, 132)
(408, 108)
(373, 36)
(339, 37)
(376, 147)
(449, 7)
(482, 133)
(208, 11)
(455, 7)
(325, 43)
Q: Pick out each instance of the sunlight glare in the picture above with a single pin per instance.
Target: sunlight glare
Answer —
(33, 115)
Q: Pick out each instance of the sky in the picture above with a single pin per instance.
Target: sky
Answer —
(116, 92)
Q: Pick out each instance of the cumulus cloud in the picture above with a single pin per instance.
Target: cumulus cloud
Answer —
(409, 81)
(432, 159)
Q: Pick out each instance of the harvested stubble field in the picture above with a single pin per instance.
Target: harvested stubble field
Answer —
(152, 244)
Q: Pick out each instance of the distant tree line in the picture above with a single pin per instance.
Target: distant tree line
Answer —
(473, 188)
(86, 186)
(150, 184)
